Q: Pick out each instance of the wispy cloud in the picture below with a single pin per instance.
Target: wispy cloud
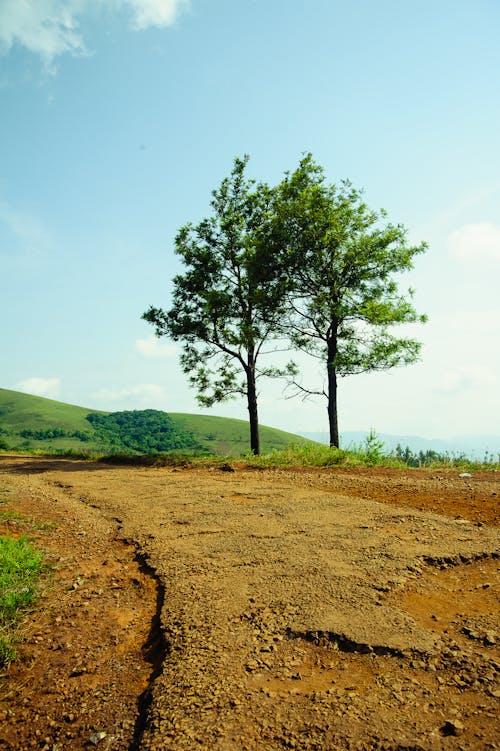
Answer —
(48, 387)
(467, 377)
(22, 232)
(142, 392)
(50, 28)
(46, 27)
(153, 347)
(146, 13)
(474, 242)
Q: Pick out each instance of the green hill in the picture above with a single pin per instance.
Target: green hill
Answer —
(228, 437)
(35, 423)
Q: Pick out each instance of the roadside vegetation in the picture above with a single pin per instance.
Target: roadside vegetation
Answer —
(21, 566)
(369, 454)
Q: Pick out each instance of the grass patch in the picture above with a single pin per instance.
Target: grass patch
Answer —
(21, 565)
(14, 515)
(369, 454)
(299, 456)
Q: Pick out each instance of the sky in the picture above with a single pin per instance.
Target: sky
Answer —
(119, 117)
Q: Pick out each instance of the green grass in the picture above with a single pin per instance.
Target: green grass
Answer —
(218, 436)
(21, 565)
(300, 456)
(222, 436)
(367, 455)
(23, 411)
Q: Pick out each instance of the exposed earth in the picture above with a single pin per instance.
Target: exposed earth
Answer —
(255, 610)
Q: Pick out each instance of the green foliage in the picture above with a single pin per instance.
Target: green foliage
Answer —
(306, 260)
(229, 437)
(431, 458)
(147, 431)
(48, 434)
(20, 568)
(23, 412)
(369, 454)
(373, 448)
(230, 300)
(313, 455)
(342, 259)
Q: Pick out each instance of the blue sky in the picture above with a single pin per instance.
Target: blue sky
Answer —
(118, 118)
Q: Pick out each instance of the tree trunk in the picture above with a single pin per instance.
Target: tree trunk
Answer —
(252, 409)
(332, 394)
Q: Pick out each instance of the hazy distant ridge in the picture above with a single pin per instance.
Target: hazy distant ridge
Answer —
(472, 445)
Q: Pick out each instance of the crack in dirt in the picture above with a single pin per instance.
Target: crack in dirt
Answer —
(222, 674)
(154, 650)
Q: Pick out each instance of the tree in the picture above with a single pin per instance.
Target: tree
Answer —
(342, 260)
(230, 300)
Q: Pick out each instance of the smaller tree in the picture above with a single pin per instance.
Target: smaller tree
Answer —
(229, 302)
(344, 296)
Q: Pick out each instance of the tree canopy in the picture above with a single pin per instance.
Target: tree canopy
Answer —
(230, 300)
(148, 430)
(343, 296)
(306, 263)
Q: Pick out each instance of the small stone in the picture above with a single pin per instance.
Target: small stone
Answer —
(452, 727)
(97, 738)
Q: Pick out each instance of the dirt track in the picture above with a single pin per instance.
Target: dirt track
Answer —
(339, 609)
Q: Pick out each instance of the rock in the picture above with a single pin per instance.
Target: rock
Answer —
(97, 738)
(226, 468)
(452, 727)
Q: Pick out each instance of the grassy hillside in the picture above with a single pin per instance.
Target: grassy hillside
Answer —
(228, 437)
(35, 417)
(19, 411)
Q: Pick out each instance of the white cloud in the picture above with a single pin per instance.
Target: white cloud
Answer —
(142, 392)
(46, 27)
(146, 13)
(467, 377)
(474, 242)
(50, 28)
(48, 387)
(153, 347)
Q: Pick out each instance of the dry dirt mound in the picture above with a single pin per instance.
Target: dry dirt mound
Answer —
(308, 610)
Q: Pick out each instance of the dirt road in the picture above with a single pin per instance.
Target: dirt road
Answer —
(339, 609)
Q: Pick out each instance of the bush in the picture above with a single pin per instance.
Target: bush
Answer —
(147, 431)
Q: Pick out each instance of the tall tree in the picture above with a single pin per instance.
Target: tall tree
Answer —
(342, 259)
(229, 302)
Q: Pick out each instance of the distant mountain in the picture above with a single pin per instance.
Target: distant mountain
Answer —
(475, 446)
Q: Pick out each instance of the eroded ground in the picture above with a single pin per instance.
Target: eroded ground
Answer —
(339, 609)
